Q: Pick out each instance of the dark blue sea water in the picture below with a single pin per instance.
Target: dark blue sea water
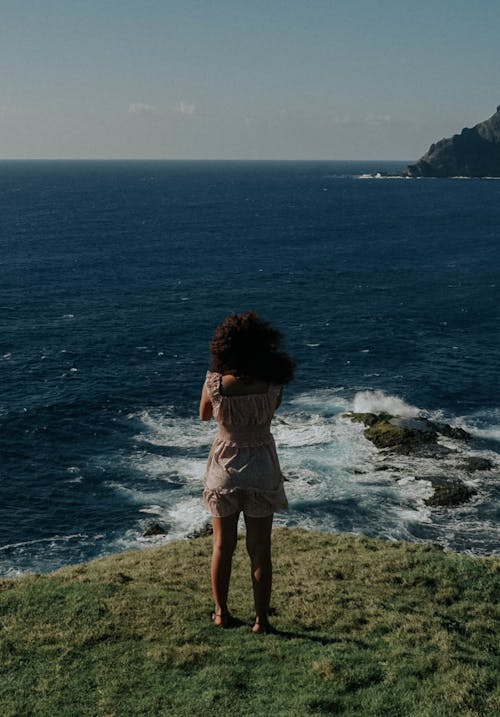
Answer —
(113, 276)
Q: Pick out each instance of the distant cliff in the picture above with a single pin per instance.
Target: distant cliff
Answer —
(472, 153)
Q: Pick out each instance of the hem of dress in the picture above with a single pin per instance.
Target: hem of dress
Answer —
(229, 501)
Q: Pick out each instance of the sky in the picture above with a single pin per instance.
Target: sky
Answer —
(243, 79)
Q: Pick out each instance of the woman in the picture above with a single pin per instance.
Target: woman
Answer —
(242, 390)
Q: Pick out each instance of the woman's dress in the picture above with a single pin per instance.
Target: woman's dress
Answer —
(243, 471)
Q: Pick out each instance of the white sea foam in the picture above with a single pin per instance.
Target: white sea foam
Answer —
(45, 554)
(165, 430)
(52, 540)
(412, 488)
(379, 175)
(187, 515)
(152, 510)
(302, 430)
(326, 401)
(380, 402)
(491, 433)
(169, 468)
(138, 495)
(483, 424)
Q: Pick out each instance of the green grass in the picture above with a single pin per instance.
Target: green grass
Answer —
(367, 628)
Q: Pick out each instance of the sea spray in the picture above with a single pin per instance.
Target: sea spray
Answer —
(380, 402)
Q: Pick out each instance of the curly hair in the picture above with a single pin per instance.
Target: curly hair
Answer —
(246, 346)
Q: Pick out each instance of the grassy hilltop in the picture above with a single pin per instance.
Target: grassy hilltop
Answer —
(366, 628)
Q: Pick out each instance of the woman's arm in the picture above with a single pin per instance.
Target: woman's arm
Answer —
(206, 412)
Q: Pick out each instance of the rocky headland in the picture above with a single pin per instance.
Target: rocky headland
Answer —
(474, 152)
(395, 435)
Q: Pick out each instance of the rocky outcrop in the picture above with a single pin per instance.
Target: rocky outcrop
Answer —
(448, 492)
(404, 435)
(475, 463)
(472, 153)
(419, 436)
(154, 529)
(202, 532)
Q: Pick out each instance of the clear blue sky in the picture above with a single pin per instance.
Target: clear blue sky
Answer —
(318, 79)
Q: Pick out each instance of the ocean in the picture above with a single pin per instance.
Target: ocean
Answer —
(113, 276)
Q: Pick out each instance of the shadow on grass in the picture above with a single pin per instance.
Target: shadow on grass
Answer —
(320, 639)
(235, 624)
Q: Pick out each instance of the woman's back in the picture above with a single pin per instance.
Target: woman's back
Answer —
(237, 402)
(234, 386)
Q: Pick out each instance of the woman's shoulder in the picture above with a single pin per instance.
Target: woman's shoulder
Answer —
(231, 385)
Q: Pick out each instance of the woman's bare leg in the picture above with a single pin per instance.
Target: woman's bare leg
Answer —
(259, 550)
(224, 543)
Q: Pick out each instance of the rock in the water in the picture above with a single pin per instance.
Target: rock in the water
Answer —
(367, 419)
(421, 425)
(203, 532)
(474, 463)
(449, 492)
(154, 529)
(416, 424)
(397, 438)
(452, 432)
(395, 434)
(405, 435)
(419, 436)
(472, 153)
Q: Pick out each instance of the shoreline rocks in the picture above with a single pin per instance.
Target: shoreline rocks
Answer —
(202, 532)
(475, 463)
(395, 435)
(448, 492)
(154, 529)
(405, 435)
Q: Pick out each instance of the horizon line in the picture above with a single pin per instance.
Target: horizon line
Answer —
(184, 159)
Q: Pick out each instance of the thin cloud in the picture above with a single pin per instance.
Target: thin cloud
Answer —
(342, 119)
(140, 108)
(185, 108)
(378, 119)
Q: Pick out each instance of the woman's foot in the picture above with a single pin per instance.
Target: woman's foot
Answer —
(221, 618)
(262, 626)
